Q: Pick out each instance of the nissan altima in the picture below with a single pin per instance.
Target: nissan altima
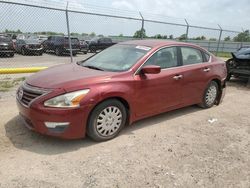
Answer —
(118, 86)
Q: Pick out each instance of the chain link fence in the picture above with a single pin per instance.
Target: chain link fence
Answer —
(39, 31)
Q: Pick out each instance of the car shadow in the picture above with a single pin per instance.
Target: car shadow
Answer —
(242, 84)
(24, 139)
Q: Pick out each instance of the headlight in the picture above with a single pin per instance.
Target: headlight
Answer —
(67, 100)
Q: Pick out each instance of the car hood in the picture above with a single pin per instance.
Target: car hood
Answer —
(68, 77)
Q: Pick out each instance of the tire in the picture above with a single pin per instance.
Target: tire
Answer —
(229, 75)
(23, 51)
(210, 95)
(103, 125)
(11, 54)
(93, 50)
(85, 52)
(58, 52)
(74, 54)
(228, 65)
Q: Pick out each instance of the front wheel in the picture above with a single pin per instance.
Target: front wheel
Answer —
(23, 51)
(210, 95)
(106, 120)
(58, 52)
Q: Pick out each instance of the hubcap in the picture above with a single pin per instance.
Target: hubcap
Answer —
(211, 95)
(109, 121)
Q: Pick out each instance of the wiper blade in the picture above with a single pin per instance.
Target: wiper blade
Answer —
(93, 67)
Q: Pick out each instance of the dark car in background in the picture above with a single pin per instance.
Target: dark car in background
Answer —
(84, 47)
(29, 47)
(100, 44)
(239, 64)
(60, 45)
(6, 46)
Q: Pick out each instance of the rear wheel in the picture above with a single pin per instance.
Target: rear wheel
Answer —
(229, 64)
(11, 54)
(106, 120)
(23, 51)
(58, 52)
(210, 95)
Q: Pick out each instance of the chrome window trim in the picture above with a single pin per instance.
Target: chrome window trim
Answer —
(210, 58)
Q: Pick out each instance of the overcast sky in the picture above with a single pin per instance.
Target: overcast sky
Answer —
(230, 14)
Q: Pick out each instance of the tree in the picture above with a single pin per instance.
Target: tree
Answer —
(183, 37)
(158, 36)
(100, 35)
(92, 34)
(121, 35)
(171, 37)
(140, 33)
(212, 39)
(203, 37)
(227, 38)
(242, 37)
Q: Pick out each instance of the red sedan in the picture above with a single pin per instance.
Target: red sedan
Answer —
(122, 84)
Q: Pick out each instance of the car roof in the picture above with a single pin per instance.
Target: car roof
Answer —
(156, 43)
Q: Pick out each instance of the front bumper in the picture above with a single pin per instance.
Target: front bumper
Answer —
(33, 51)
(35, 116)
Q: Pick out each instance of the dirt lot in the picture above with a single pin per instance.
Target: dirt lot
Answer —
(175, 149)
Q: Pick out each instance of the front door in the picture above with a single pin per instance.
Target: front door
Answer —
(157, 92)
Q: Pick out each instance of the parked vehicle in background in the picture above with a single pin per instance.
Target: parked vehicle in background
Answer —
(6, 46)
(100, 44)
(239, 64)
(39, 38)
(122, 84)
(60, 45)
(29, 47)
(84, 47)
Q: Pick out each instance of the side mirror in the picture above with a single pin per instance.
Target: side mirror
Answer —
(151, 69)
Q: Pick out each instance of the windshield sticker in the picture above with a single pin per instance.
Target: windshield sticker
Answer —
(143, 48)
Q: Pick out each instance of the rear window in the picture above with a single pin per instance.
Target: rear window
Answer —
(5, 39)
(73, 40)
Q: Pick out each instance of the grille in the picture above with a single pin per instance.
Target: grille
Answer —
(26, 94)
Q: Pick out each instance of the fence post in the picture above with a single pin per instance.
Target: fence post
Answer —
(242, 38)
(187, 30)
(68, 30)
(218, 45)
(142, 25)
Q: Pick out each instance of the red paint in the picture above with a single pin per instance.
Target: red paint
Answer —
(146, 94)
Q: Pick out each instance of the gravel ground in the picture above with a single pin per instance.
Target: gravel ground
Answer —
(175, 149)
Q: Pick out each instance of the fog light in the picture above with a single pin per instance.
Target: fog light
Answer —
(53, 125)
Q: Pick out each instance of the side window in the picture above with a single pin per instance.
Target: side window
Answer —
(207, 57)
(165, 58)
(191, 56)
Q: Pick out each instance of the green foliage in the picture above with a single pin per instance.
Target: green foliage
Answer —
(242, 37)
(213, 39)
(171, 37)
(140, 34)
(159, 36)
(200, 38)
(13, 31)
(92, 34)
(183, 37)
(227, 38)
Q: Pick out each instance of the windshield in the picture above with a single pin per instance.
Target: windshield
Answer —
(117, 58)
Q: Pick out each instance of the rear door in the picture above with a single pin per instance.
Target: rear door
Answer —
(196, 70)
(157, 92)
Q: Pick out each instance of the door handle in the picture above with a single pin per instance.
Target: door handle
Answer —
(178, 77)
(206, 69)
